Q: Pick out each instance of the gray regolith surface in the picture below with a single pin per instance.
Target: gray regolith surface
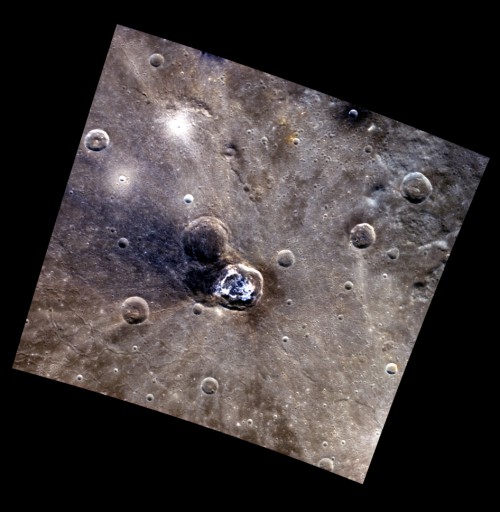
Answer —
(348, 216)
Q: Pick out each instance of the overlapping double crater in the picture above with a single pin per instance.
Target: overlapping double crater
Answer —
(217, 273)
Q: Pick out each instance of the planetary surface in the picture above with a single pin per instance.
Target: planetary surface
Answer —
(245, 253)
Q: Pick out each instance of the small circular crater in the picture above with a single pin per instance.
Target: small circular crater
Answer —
(285, 258)
(150, 397)
(340, 317)
(384, 276)
(289, 302)
(209, 385)
(415, 187)
(362, 235)
(326, 463)
(197, 309)
(368, 149)
(238, 286)
(391, 369)
(135, 310)
(156, 60)
(188, 199)
(115, 370)
(97, 140)
(348, 285)
(393, 253)
(295, 141)
(79, 377)
(285, 339)
(353, 113)
(230, 150)
(205, 239)
(123, 243)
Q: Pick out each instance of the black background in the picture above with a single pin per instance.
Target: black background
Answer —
(434, 72)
